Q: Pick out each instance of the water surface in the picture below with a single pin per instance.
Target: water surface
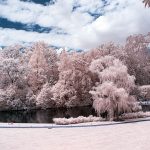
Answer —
(46, 116)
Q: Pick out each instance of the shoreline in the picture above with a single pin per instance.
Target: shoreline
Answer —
(88, 124)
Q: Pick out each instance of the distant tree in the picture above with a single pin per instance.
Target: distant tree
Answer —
(37, 76)
(112, 92)
(44, 99)
(145, 92)
(74, 81)
(23, 72)
(38, 66)
(13, 85)
(138, 58)
(109, 48)
(12, 52)
(10, 72)
(52, 61)
(135, 54)
(43, 66)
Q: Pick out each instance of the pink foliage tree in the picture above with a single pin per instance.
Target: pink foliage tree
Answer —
(12, 52)
(109, 48)
(43, 73)
(138, 57)
(145, 92)
(38, 76)
(74, 81)
(13, 85)
(38, 68)
(43, 66)
(146, 2)
(44, 98)
(112, 92)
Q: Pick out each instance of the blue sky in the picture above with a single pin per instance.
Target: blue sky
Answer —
(77, 24)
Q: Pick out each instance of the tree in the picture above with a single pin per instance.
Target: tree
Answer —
(43, 67)
(109, 48)
(134, 54)
(111, 99)
(138, 57)
(112, 92)
(72, 88)
(23, 73)
(145, 92)
(13, 85)
(12, 52)
(44, 99)
(10, 72)
(52, 61)
(38, 66)
(146, 2)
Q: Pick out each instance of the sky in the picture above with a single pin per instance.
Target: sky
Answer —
(76, 24)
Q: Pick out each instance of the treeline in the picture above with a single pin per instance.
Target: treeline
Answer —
(39, 77)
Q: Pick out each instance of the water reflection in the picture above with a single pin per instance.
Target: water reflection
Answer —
(44, 116)
(146, 108)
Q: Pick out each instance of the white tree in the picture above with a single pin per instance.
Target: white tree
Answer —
(145, 92)
(72, 88)
(10, 72)
(138, 57)
(112, 93)
(44, 99)
(38, 66)
(43, 66)
(146, 2)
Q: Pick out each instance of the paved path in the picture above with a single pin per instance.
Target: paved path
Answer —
(120, 136)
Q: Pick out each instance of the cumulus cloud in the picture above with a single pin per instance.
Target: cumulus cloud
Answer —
(12, 36)
(87, 23)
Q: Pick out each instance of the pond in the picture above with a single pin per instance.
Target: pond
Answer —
(46, 116)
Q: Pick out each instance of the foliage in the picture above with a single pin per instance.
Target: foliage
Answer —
(72, 88)
(37, 77)
(146, 2)
(138, 57)
(112, 92)
(80, 119)
(145, 92)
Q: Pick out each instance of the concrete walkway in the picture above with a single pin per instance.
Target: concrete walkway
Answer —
(89, 124)
(133, 135)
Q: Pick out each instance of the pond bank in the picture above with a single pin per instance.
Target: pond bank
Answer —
(46, 116)
(88, 124)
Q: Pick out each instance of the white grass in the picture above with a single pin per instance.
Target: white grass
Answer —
(80, 119)
(135, 115)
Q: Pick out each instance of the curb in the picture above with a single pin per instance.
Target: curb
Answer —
(4, 125)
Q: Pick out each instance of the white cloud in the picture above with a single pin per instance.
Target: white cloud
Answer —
(120, 19)
(12, 36)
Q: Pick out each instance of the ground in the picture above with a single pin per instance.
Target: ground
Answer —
(130, 136)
